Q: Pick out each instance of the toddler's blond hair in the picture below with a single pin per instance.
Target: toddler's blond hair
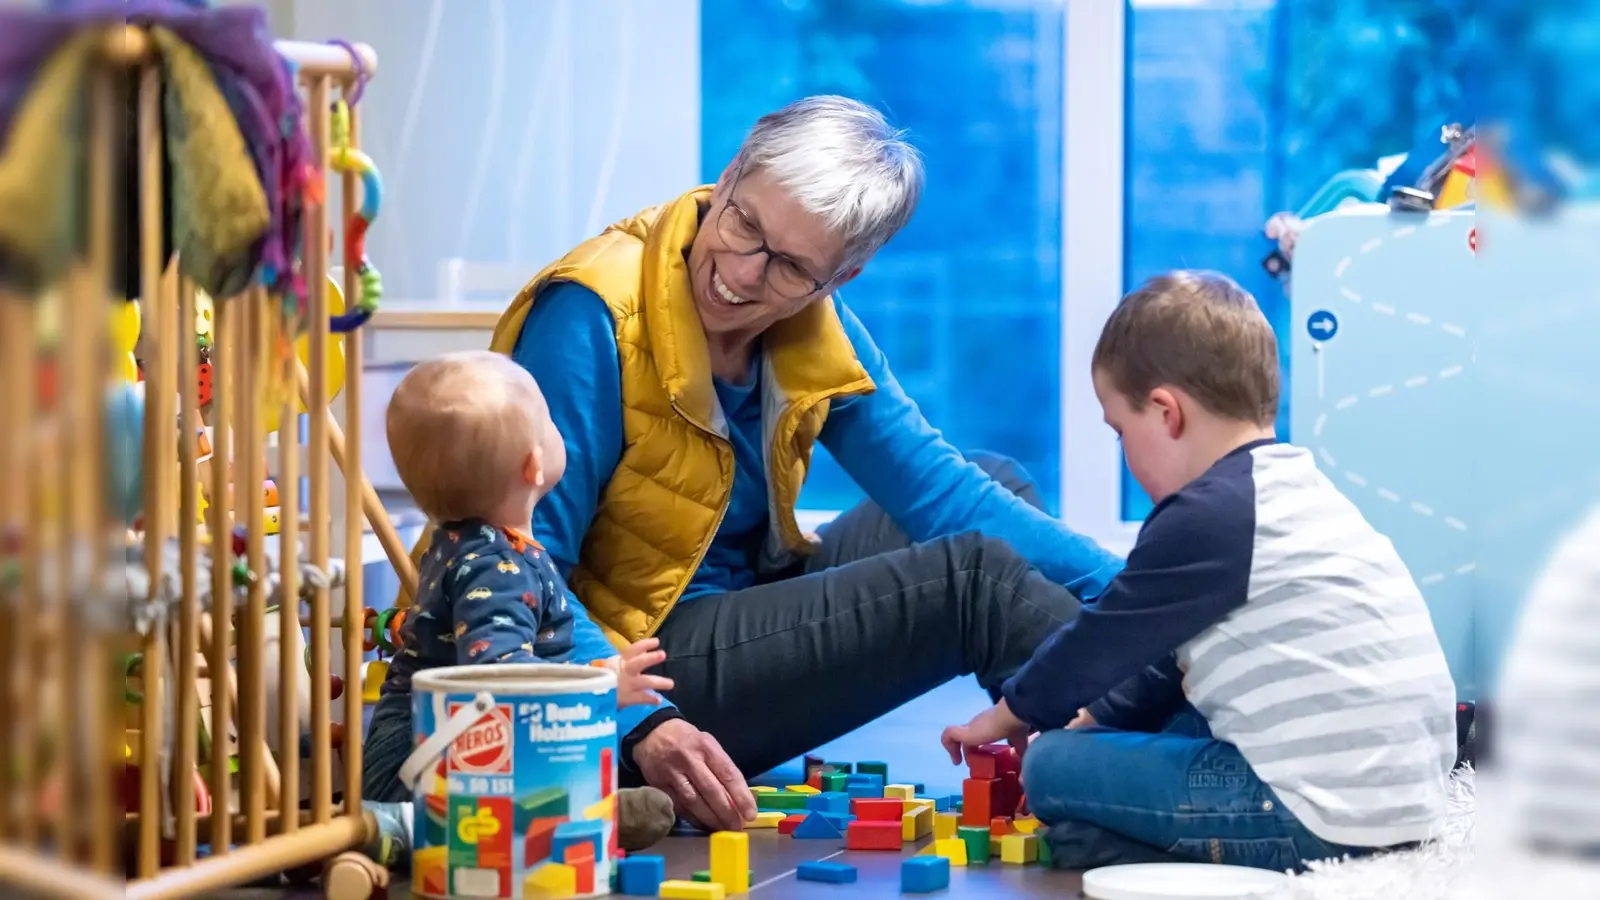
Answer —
(460, 427)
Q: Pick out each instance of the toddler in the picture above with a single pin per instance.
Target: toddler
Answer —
(472, 440)
(1261, 685)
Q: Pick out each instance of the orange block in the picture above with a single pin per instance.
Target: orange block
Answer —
(978, 801)
(999, 826)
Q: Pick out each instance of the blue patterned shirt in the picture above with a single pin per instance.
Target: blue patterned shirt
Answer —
(485, 595)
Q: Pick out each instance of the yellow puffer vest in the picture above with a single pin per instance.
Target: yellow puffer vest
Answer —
(667, 496)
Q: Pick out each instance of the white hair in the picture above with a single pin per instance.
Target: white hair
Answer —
(844, 163)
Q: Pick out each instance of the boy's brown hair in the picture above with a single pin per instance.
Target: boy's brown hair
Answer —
(1198, 331)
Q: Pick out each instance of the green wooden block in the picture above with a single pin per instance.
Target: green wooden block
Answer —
(833, 781)
(846, 768)
(1044, 852)
(873, 768)
(702, 875)
(781, 800)
(976, 838)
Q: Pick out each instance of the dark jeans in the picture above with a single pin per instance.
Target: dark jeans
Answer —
(1179, 795)
(869, 623)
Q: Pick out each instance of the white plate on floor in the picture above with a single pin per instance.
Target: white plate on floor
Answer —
(1179, 881)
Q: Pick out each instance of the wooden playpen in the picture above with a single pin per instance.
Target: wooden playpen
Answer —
(96, 684)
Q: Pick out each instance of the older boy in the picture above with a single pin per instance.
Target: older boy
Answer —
(1262, 683)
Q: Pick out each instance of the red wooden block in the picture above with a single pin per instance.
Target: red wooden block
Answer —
(873, 809)
(1007, 794)
(815, 778)
(982, 762)
(788, 824)
(978, 801)
(999, 826)
(869, 835)
(1008, 760)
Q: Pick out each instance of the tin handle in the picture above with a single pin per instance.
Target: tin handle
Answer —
(453, 727)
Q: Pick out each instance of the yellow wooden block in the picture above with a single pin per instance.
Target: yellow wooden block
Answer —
(692, 890)
(551, 881)
(944, 824)
(802, 789)
(764, 789)
(915, 802)
(994, 846)
(953, 849)
(899, 791)
(730, 861)
(769, 819)
(1019, 849)
(916, 824)
(1025, 824)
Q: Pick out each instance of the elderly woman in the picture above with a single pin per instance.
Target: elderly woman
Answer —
(692, 356)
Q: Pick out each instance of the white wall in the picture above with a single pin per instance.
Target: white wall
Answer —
(508, 130)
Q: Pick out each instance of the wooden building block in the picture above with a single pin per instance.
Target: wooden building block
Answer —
(978, 801)
(730, 861)
(861, 835)
(1025, 824)
(977, 840)
(953, 849)
(924, 874)
(1019, 849)
(916, 823)
(768, 819)
(944, 824)
(692, 890)
(869, 809)
(900, 791)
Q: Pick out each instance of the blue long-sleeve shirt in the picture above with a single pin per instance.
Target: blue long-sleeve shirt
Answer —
(881, 440)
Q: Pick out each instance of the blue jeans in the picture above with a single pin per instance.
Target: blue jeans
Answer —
(1112, 797)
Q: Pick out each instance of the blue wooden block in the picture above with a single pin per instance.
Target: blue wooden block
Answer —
(838, 820)
(875, 780)
(918, 788)
(817, 827)
(864, 791)
(829, 872)
(924, 874)
(582, 831)
(641, 876)
(829, 802)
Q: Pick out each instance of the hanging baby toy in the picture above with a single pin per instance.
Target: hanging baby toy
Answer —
(345, 158)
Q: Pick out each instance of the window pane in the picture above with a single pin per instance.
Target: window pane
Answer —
(1240, 108)
(965, 303)
(1199, 156)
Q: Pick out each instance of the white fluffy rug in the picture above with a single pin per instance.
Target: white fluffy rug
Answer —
(1430, 872)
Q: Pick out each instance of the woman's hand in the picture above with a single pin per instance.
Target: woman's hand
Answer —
(696, 772)
(634, 687)
(994, 724)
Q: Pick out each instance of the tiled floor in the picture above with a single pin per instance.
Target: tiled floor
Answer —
(908, 741)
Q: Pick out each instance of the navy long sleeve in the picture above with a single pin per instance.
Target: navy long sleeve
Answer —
(1143, 702)
(1188, 569)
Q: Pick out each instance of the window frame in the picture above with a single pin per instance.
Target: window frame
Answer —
(1093, 235)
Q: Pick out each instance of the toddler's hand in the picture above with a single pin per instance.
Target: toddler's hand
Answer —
(996, 723)
(634, 687)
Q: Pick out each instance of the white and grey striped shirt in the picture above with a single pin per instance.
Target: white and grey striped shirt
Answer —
(1301, 638)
